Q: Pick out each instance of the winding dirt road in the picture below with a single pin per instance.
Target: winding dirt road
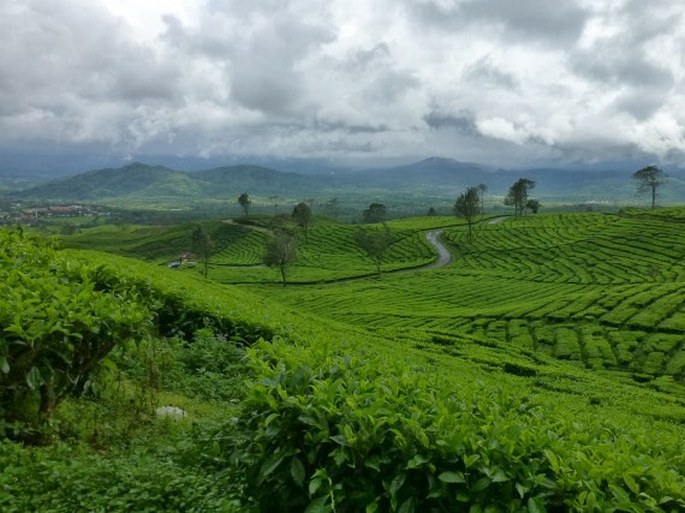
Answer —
(444, 255)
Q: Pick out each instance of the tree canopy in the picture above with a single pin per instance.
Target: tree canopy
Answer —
(302, 215)
(533, 205)
(244, 201)
(649, 179)
(375, 244)
(281, 251)
(468, 206)
(375, 213)
(518, 195)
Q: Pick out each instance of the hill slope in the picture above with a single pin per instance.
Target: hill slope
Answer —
(142, 181)
(436, 177)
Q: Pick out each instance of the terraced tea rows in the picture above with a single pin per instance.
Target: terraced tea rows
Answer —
(246, 250)
(581, 248)
(584, 287)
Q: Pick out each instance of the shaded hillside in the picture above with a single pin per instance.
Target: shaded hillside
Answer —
(434, 176)
(432, 172)
(257, 180)
(142, 181)
(114, 183)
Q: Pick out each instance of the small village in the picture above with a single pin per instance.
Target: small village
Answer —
(25, 215)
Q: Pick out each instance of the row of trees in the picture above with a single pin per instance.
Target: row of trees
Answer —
(281, 250)
(332, 205)
(470, 203)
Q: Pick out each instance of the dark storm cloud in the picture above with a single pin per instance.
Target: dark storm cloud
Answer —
(556, 23)
(462, 122)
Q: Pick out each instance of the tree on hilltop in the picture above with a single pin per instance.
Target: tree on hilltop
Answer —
(202, 244)
(649, 178)
(281, 251)
(518, 195)
(374, 244)
(468, 206)
(302, 215)
(375, 213)
(244, 201)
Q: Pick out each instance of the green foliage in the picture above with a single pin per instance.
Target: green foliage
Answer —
(375, 213)
(649, 179)
(533, 205)
(468, 206)
(518, 195)
(202, 244)
(302, 214)
(459, 389)
(363, 433)
(244, 202)
(67, 480)
(158, 243)
(375, 244)
(207, 367)
(281, 251)
(59, 321)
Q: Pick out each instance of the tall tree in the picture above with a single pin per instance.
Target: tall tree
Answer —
(244, 201)
(482, 188)
(649, 178)
(281, 251)
(533, 205)
(202, 244)
(518, 195)
(302, 215)
(375, 213)
(468, 207)
(374, 244)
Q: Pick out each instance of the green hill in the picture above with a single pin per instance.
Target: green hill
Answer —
(439, 390)
(156, 183)
(105, 184)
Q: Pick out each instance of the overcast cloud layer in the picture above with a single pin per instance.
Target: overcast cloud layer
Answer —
(493, 81)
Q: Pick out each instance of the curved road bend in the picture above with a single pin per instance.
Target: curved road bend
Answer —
(444, 255)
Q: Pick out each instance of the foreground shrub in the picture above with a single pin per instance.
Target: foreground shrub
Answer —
(57, 325)
(342, 434)
(62, 479)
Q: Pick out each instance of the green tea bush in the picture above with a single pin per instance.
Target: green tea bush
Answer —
(207, 367)
(57, 326)
(337, 433)
(64, 479)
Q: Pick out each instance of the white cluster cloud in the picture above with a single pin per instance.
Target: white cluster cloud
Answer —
(494, 81)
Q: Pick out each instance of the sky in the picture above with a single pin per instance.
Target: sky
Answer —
(525, 82)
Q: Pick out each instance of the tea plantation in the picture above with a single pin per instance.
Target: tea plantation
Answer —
(542, 370)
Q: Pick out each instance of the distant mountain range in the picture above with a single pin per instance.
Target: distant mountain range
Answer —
(434, 176)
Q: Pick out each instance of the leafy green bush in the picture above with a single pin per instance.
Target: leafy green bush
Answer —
(331, 433)
(208, 367)
(63, 479)
(57, 325)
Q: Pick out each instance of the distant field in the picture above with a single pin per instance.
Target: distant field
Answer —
(598, 289)
(602, 290)
(328, 252)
